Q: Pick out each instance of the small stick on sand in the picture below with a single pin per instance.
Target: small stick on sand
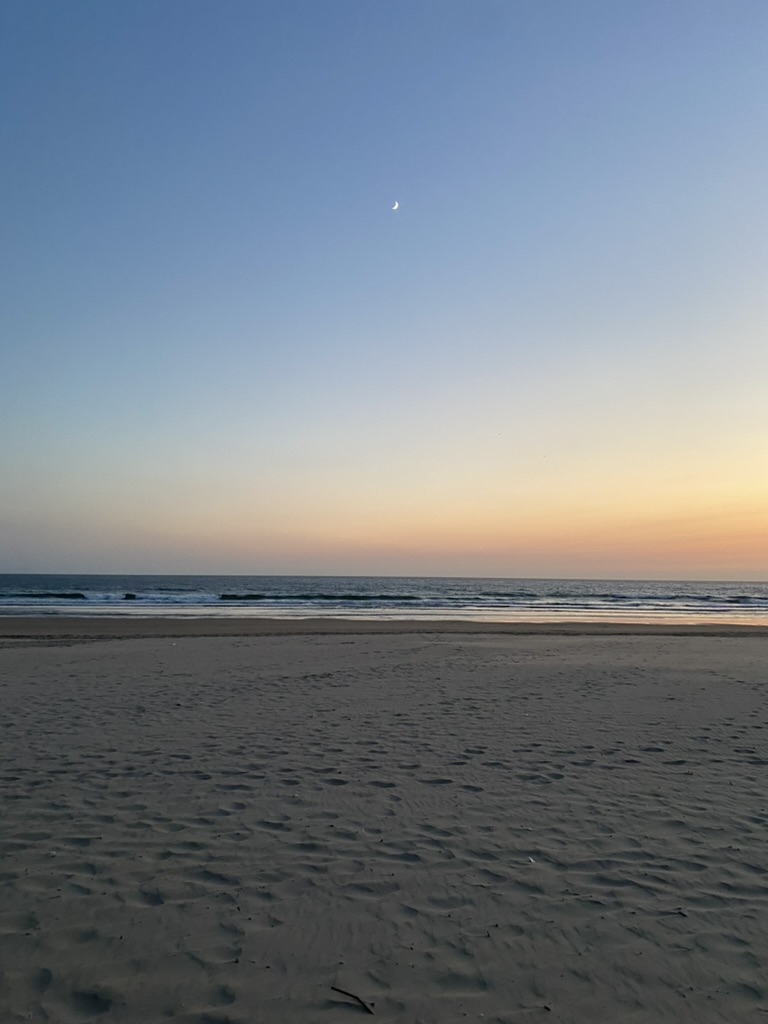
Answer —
(352, 995)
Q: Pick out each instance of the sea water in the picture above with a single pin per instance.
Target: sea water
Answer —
(386, 597)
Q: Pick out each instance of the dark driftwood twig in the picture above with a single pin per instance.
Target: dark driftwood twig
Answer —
(352, 995)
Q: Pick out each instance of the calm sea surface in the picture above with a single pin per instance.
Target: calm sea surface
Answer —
(386, 597)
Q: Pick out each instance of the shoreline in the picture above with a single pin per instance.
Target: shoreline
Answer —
(84, 628)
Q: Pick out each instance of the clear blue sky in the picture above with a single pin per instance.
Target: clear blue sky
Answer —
(221, 350)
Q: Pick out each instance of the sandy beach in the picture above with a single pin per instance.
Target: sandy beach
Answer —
(307, 822)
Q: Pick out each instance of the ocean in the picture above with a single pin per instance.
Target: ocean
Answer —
(386, 597)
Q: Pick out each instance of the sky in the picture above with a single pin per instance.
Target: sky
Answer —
(221, 350)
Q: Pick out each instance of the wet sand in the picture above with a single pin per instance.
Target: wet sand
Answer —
(84, 628)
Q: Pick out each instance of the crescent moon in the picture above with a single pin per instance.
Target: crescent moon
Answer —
(396, 206)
